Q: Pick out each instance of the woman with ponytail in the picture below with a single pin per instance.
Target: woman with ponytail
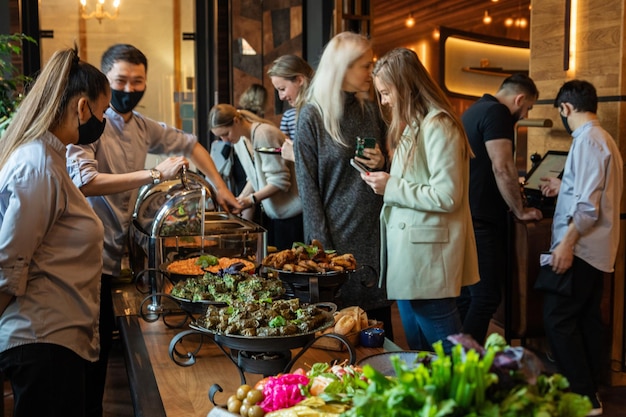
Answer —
(271, 179)
(50, 241)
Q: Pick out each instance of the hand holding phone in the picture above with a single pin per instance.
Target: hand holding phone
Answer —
(359, 166)
(362, 143)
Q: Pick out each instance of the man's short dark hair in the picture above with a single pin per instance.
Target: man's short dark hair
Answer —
(122, 52)
(580, 94)
(520, 83)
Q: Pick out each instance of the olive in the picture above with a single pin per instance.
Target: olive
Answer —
(243, 411)
(232, 398)
(234, 406)
(256, 411)
(242, 391)
(247, 402)
(254, 396)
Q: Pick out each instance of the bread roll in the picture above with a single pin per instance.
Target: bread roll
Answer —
(344, 325)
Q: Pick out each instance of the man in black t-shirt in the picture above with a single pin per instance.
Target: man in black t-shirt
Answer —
(494, 190)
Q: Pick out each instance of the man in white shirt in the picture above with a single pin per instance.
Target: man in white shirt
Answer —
(110, 171)
(585, 237)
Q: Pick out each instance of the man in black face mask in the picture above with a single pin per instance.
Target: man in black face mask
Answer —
(110, 171)
(585, 238)
(494, 190)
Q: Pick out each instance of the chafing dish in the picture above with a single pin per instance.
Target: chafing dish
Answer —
(172, 220)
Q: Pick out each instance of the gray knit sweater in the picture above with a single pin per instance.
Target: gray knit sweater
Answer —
(339, 209)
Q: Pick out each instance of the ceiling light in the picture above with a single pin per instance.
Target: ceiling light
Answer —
(410, 21)
(486, 18)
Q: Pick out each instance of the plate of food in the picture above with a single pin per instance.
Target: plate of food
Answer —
(253, 325)
(197, 266)
(310, 259)
(226, 288)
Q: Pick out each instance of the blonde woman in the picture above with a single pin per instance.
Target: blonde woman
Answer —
(50, 242)
(428, 246)
(271, 179)
(339, 209)
(290, 76)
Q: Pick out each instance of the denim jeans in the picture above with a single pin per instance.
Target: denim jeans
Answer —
(48, 380)
(427, 321)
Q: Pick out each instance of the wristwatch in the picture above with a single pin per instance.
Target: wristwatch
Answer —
(156, 176)
(253, 199)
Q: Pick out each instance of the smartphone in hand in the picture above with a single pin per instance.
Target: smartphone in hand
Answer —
(359, 166)
(362, 143)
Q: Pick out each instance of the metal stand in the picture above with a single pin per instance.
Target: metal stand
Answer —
(215, 388)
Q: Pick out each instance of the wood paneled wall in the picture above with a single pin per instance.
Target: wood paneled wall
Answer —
(273, 28)
(599, 59)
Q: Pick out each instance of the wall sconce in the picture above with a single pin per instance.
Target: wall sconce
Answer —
(99, 13)
(410, 21)
(569, 44)
(486, 18)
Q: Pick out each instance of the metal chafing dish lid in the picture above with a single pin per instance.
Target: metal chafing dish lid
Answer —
(168, 208)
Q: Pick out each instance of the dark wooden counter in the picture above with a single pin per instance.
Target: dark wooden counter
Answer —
(160, 387)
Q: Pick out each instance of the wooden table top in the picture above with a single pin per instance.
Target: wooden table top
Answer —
(161, 387)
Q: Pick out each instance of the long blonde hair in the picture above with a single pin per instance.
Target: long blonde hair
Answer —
(416, 94)
(326, 92)
(62, 78)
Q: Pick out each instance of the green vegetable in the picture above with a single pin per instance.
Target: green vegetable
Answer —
(278, 321)
(461, 384)
(205, 261)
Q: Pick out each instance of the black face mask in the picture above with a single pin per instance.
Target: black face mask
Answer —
(566, 125)
(91, 130)
(124, 102)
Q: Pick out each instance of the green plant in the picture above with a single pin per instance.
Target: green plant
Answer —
(11, 78)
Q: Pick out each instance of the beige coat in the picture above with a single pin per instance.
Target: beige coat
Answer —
(428, 250)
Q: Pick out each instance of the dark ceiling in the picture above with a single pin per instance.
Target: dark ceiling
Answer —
(389, 28)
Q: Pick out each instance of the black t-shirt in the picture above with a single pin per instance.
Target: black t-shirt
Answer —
(485, 120)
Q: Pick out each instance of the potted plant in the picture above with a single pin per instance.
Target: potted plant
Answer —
(11, 78)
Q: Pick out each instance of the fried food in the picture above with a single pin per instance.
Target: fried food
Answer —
(310, 258)
(192, 266)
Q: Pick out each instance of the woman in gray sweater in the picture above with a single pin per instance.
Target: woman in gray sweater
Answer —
(339, 209)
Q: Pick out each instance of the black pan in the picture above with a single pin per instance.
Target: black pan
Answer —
(270, 343)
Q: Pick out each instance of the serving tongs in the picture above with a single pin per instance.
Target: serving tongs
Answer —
(183, 177)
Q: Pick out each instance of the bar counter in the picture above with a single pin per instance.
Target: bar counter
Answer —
(161, 387)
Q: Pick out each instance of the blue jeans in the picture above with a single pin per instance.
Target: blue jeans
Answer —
(427, 321)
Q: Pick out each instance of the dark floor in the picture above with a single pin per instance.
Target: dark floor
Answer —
(117, 402)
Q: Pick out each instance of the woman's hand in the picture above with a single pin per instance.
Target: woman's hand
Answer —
(376, 159)
(245, 201)
(377, 180)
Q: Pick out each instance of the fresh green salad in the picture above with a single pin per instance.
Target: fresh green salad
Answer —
(489, 382)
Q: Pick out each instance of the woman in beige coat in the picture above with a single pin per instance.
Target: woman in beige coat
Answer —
(428, 251)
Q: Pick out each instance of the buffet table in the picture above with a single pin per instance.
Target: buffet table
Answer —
(160, 387)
